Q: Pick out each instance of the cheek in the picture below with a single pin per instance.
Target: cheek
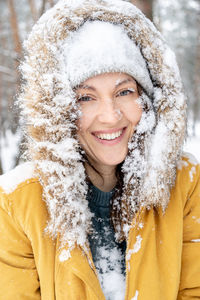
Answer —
(133, 112)
(84, 122)
(80, 129)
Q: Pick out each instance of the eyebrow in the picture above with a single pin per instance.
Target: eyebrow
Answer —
(85, 87)
(124, 81)
(88, 87)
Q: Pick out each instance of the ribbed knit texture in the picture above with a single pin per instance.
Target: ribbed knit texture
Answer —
(103, 235)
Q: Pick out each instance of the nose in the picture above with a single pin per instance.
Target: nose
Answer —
(108, 112)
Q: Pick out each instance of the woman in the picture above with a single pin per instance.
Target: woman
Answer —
(107, 207)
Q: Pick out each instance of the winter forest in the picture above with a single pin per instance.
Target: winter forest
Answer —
(178, 20)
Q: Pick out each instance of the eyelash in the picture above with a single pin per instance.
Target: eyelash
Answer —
(130, 91)
(82, 98)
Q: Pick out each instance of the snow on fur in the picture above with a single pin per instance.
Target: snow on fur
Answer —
(50, 113)
(10, 181)
(94, 57)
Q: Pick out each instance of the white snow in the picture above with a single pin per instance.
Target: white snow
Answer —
(191, 149)
(191, 173)
(194, 4)
(136, 247)
(9, 181)
(136, 296)
(197, 220)
(49, 34)
(73, 3)
(191, 158)
(192, 145)
(86, 59)
(140, 225)
(9, 146)
(110, 274)
(69, 189)
(169, 57)
(169, 25)
(64, 255)
(181, 164)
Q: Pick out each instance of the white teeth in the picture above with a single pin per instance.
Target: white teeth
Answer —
(109, 136)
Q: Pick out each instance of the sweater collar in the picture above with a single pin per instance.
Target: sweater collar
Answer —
(99, 198)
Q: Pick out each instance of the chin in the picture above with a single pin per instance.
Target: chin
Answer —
(112, 162)
(113, 158)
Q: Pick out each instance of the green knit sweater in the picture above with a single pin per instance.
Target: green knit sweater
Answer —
(108, 255)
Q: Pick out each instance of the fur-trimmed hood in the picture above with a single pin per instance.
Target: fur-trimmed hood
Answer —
(49, 111)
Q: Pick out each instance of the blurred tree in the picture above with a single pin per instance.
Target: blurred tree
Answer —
(145, 6)
(179, 21)
(15, 23)
(33, 10)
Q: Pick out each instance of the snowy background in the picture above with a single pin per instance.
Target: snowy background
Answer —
(178, 20)
(192, 144)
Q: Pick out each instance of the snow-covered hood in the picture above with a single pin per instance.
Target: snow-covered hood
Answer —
(49, 113)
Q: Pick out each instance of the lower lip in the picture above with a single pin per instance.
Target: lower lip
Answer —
(111, 142)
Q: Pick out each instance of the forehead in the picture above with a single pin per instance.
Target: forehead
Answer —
(108, 79)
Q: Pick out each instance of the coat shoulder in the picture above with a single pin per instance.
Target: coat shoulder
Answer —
(188, 178)
(17, 177)
(21, 191)
(188, 168)
(187, 160)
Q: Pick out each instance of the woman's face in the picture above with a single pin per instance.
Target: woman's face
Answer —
(110, 112)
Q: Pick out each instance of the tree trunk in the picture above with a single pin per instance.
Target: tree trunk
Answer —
(145, 6)
(16, 39)
(43, 7)
(33, 10)
(51, 3)
(14, 27)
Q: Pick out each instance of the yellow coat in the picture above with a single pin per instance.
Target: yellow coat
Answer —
(163, 252)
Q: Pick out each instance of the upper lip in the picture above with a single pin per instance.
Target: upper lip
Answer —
(107, 131)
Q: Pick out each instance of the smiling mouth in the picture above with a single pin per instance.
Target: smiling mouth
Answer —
(109, 136)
